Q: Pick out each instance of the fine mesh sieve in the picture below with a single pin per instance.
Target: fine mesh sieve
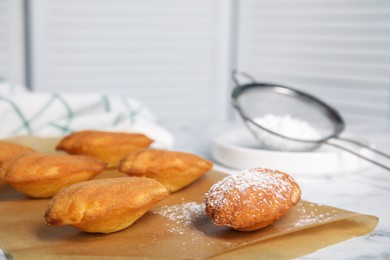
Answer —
(285, 119)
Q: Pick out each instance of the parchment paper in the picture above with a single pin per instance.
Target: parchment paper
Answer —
(176, 228)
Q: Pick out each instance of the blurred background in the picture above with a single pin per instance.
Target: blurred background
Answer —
(177, 56)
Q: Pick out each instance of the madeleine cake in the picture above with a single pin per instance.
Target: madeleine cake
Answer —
(173, 169)
(252, 199)
(104, 205)
(109, 147)
(42, 175)
(9, 150)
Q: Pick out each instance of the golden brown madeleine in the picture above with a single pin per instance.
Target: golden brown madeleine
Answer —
(43, 175)
(9, 150)
(110, 147)
(173, 169)
(252, 199)
(104, 205)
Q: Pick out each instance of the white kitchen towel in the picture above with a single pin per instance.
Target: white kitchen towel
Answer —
(56, 114)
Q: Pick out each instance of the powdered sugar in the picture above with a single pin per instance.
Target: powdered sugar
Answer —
(188, 218)
(261, 181)
(182, 215)
(310, 215)
(287, 126)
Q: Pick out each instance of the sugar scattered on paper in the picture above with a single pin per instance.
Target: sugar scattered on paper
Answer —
(182, 219)
(310, 216)
(182, 215)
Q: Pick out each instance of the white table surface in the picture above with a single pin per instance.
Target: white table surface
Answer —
(367, 192)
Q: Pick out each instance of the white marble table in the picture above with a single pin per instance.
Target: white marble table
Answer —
(367, 192)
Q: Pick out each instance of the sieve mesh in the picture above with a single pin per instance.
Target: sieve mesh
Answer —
(286, 119)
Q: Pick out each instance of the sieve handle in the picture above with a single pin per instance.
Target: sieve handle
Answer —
(236, 73)
(357, 143)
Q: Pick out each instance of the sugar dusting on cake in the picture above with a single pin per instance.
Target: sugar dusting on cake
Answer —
(251, 187)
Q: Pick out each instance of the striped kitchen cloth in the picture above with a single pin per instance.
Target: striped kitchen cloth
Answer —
(55, 114)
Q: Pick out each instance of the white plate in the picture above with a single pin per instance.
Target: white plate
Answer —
(238, 149)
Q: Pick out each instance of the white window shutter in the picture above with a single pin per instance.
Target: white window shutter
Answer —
(167, 53)
(336, 50)
(12, 66)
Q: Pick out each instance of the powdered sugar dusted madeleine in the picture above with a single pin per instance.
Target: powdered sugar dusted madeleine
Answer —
(109, 147)
(173, 169)
(252, 199)
(104, 205)
(43, 175)
(9, 150)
